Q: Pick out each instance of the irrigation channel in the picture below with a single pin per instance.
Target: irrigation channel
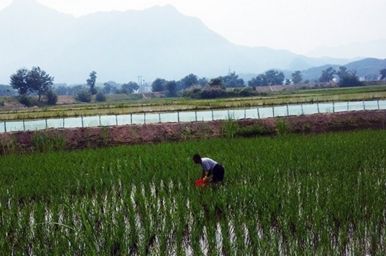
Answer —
(190, 116)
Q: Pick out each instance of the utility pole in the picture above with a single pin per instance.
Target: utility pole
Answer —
(139, 80)
(140, 83)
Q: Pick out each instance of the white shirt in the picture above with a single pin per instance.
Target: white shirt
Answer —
(207, 164)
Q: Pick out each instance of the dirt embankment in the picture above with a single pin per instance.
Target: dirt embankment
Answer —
(54, 139)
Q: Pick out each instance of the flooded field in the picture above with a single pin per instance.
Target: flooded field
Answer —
(191, 116)
(320, 194)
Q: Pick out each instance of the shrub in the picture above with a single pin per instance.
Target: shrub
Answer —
(25, 100)
(192, 92)
(100, 97)
(84, 96)
(105, 136)
(350, 80)
(230, 128)
(247, 91)
(281, 127)
(212, 93)
(8, 145)
(52, 98)
(28, 101)
(252, 130)
(46, 142)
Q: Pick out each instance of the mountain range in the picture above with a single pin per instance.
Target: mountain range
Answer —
(155, 42)
(367, 69)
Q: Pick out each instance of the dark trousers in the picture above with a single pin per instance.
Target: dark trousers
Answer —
(218, 173)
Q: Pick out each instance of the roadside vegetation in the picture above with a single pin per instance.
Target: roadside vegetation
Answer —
(295, 194)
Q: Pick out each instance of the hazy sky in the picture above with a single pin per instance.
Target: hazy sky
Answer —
(297, 25)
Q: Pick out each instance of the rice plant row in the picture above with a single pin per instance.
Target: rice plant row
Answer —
(317, 194)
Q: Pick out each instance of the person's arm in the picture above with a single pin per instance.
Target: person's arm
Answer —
(206, 173)
(203, 174)
(208, 177)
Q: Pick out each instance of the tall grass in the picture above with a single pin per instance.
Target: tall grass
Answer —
(320, 195)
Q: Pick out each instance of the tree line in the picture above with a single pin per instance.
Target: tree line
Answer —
(36, 82)
(195, 87)
(344, 76)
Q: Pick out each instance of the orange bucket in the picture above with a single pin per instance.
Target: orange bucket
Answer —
(200, 183)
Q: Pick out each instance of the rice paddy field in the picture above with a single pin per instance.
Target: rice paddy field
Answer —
(117, 106)
(287, 195)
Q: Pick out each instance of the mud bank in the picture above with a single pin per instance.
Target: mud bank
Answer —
(78, 138)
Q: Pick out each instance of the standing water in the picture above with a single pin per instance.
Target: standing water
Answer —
(190, 116)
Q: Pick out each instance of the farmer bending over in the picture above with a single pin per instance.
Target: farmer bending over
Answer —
(212, 172)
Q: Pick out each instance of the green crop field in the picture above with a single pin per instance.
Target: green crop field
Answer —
(290, 195)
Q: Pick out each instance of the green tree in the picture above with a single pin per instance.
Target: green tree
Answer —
(52, 98)
(19, 82)
(348, 78)
(129, 87)
(260, 80)
(274, 77)
(188, 81)
(327, 75)
(39, 81)
(171, 88)
(158, 85)
(232, 80)
(83, 96)
(382, 74)
(287, 82)
(91, 82)
(203, 81)
(216, 82)
(110, 87)
(297, 77)
(35, 80)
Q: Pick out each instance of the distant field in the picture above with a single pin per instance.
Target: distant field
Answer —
(119, 104)
(291, 195)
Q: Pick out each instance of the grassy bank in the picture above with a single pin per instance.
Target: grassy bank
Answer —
(93, 137)
(322, 194)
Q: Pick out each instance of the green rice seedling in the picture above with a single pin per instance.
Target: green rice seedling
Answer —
(197, 231)
(133, 237)
(222, 220)
(294, 194)
(180, 220)
(211, 237)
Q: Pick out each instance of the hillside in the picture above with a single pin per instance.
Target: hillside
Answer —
(156, 42)
(369, 67)
(366, 69)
